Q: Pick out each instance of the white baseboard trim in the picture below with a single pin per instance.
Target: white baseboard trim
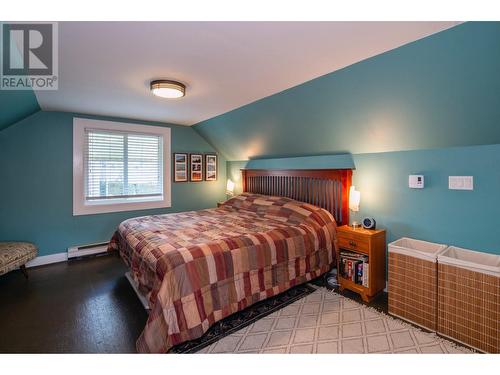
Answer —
(48, 259)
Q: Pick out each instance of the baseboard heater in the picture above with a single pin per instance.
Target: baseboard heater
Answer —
(84, 250)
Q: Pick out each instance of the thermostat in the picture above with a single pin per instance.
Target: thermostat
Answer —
(416, 181)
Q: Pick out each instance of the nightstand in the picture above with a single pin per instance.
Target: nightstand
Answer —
(364, 244)
(219, 204)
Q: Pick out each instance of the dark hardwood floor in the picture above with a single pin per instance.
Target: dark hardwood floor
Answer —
(83, 306)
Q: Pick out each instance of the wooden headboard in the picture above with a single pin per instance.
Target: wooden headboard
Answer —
(325, 188)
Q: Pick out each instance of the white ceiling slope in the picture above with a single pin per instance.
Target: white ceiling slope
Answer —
(105, 67)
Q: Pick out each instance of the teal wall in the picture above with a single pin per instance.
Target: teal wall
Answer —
(440, 91)
(16, 105)
(463, 218)
(429, 107)
(468, 219)
(36, 170)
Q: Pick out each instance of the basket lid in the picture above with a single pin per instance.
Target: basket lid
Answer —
(417, 248)
(472, 260)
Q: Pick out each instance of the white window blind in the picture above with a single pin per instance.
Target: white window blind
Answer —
(121, 165)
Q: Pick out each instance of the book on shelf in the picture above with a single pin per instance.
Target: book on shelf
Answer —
(354, 267)
(366, 273)
(359, 273)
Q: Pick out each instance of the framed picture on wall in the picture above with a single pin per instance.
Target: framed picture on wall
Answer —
(196, 167)
(180, 167)
(210, 167)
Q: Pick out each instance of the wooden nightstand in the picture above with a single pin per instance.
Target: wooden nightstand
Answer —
(370, 243)
(219, 204)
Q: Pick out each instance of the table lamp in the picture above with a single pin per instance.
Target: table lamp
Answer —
(354, 199)
(229, 188)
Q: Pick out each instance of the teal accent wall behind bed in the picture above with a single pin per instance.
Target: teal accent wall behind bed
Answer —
(428, 107)
(36, 172)
(467, 219)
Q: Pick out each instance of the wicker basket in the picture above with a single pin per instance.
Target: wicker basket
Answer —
(413, 281)
(469, 298)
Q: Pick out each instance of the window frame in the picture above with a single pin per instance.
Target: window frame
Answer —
(83, 207)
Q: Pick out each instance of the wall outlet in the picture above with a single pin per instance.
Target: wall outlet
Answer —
(416, 181)
(461, 182)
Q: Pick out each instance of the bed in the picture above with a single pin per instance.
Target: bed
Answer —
(196, 268)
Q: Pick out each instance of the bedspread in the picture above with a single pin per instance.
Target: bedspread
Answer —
(199, 267)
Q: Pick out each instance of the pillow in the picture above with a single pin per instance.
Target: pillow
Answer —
(278, 208)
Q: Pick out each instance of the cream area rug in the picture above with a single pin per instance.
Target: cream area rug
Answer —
(326, 322)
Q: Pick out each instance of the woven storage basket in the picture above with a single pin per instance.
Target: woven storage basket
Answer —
(413, 281)
(469, 298)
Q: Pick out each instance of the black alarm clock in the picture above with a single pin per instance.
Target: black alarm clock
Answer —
(369, 223)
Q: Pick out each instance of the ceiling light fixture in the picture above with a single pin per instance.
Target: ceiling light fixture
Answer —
(168, 89)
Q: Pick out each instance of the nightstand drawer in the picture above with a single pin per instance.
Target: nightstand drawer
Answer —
(357, 244)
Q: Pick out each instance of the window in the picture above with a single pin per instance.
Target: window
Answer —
(119, 166)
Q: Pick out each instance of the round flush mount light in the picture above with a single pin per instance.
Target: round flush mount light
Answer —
(168, 89)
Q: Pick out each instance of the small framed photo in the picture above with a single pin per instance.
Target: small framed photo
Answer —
(196, 167)
(180, 167)
(210, 167)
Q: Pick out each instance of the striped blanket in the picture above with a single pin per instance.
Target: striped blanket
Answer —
(199, 267)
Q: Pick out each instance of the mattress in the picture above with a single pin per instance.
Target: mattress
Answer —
(199, 267)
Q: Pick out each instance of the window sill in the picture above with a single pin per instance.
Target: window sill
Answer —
(113, 201)
(119, 205)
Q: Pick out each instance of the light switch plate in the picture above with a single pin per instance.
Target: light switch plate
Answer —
(461, 182)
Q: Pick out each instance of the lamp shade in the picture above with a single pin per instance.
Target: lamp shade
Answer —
(229, 187)
(354, 199)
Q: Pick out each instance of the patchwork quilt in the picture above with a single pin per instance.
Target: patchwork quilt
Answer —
(199, 267)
